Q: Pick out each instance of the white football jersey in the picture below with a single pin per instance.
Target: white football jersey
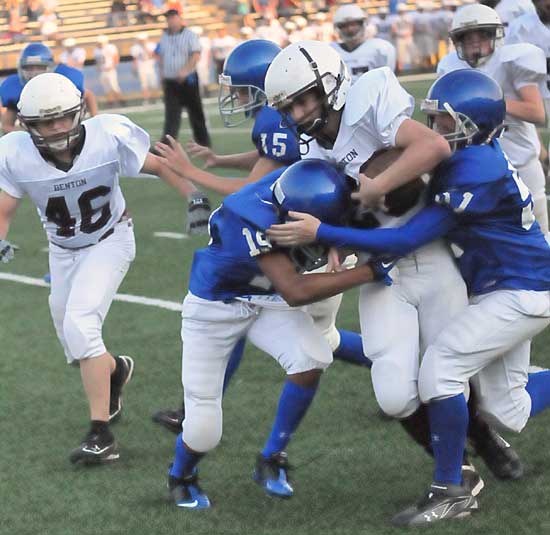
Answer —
(369, 55)
(513, 67)
(510, 10)
(376, 106)
(79, 206)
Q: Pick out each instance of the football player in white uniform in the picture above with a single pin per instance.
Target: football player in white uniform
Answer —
(520, 69)
(346, 125)
(534, 28)
(70, 170)
(360, 54)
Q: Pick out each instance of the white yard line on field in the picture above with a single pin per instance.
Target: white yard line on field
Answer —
(171, 235)
(126, 298)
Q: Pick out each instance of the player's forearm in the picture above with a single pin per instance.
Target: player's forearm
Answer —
(154, 165)
(418, 158)
(532, 112)
(91, 102)
(428, 225)
(8, 207)
(305, 289)
(242, 160)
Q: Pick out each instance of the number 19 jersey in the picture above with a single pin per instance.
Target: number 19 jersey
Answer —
(79, 206)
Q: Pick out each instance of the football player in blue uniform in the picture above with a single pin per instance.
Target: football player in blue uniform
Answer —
(242, 98)
(37, 58)
(241, 286)
(486, 213)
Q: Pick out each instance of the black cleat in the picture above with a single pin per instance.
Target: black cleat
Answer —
(115, 403)
(272, 475)
(499, 457)
(170, 419)
(95, 449)
(443, 502)
(471, 480)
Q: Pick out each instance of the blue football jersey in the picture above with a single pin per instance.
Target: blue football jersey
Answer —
(497, 242)
(228, 267)
(11, 87)
(272, 140)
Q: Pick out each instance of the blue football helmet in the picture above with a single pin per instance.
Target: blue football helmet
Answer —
(474, 100)
(242, 90)
(317, 188)
(35, 58)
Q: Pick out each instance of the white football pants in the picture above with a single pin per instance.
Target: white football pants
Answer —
(533, 175)
(83, 285)
(212, 328)
(398, 322)
(489, 341)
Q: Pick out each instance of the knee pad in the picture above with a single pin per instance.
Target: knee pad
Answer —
(332, 336)
(395, 393)
(202, 427)
(82, 333)
(511, 416)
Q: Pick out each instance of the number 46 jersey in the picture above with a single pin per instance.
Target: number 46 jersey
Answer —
(79, 206)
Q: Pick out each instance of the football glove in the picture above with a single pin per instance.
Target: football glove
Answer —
(7, 251)
(198, 214)
(382, 268)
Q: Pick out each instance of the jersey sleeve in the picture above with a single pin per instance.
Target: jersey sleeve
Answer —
(274, 141)
(74, 75)
(387, 55)
(10, 91)
(380, 101)
(195, 45)
(526, 65)
(7, 182)
(133, 143)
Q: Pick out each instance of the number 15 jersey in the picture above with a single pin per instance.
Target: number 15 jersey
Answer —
(79, 206)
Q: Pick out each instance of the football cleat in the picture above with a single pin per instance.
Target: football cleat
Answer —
(198, 214)
(272, 475)
(187, 493)
(170, 419)
(115, 403)
(471, 480)
(499, 457)
(95, 449)
(443, 502)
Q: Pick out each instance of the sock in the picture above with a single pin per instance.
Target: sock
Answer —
(116, 376)
(184, 460)
(98, 427)
(351, 349)
(293, 405)
(234, 362)
(448, 425)
(538, 387)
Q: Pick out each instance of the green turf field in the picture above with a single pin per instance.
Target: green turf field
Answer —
(353, 470)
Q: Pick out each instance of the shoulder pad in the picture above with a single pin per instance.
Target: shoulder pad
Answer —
(525, 55)
(10, 90)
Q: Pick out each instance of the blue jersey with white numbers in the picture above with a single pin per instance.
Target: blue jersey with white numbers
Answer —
(496, 239)
(228, 267)
(272, 140)
(11, 87)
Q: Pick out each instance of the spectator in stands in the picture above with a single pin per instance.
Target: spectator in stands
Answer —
(72, 55)
(222, 45)
(266, 8)
(106, 59)
(16, 27)
(118, 15)
(383, 24)
(143, 54)
(270, 29)
(49, 24)
(33, 10)
(148, 12)
(179, 51)
(173, 5)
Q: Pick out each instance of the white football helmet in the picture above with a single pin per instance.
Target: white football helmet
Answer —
(350, 13)
(303, 66)
(476, 17)
(51, 96)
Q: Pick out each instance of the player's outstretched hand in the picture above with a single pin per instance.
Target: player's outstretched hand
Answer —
(301, 231)
(7, 251)
(369, 194)
(174, 155)
(204, 153)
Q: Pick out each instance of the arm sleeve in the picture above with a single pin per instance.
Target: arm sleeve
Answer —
(133, 144)
(195, 45)
(429, 224)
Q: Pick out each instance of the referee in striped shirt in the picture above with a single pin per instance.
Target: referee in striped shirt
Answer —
(179, 51)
